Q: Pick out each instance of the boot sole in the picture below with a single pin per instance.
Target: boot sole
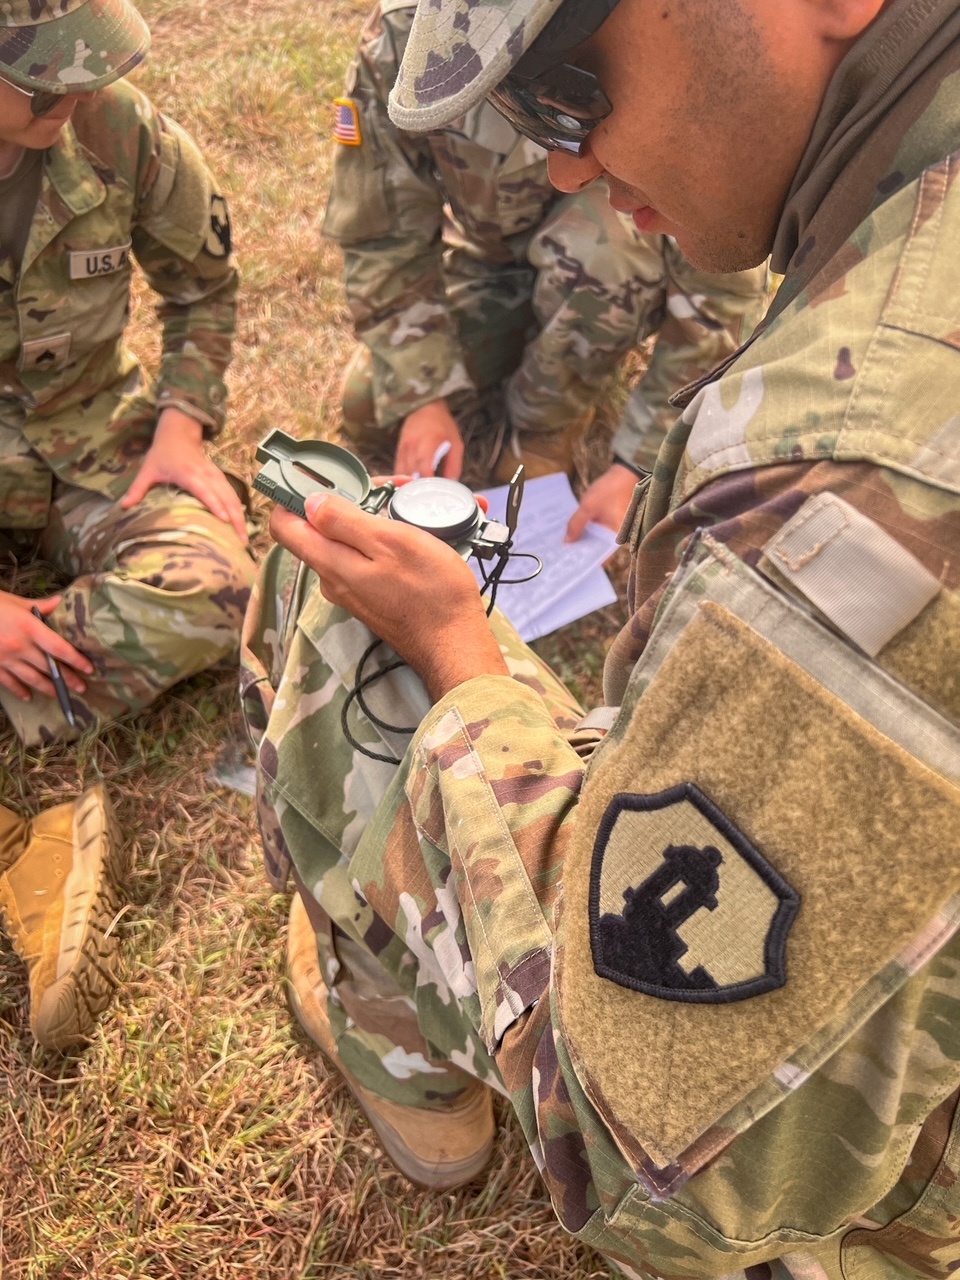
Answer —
(69, 1009)
(454, 1173)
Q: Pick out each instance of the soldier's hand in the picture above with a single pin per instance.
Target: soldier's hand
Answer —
(177, 456)
(422, 435)
(24, 643)
(408, 587)
(605, 501)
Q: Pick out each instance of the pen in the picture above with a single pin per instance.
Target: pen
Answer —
(62, 696)
(438, 457)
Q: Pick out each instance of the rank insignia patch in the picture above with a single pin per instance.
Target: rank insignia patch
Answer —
(682, 906)
(44, 354)
(346, 122)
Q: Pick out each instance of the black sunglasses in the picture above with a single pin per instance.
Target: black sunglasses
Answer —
(557, 110)
(546, 98)
(42, 101)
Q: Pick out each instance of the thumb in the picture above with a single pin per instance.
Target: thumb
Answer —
(312, 505)
(342, 521)
(141, 483)
(47, 606)
(578, 522)
(328, 511)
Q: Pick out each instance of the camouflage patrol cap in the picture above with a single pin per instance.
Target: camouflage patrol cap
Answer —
(457, 52)
(69, 46)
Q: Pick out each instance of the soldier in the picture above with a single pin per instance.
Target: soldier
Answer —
(487, 304)
(716, 965)
(102, 472)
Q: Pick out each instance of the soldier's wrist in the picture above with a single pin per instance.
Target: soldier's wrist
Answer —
(173, 422)
(470, 656)
(633, 467)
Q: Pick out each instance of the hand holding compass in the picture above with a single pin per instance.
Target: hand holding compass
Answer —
(408, 582)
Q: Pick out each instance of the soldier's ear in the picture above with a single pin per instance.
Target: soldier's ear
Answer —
(845, 19)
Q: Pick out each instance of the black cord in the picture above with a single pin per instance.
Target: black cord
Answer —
(523, 555)
(495, 578)
(362, 682)
(491, 582)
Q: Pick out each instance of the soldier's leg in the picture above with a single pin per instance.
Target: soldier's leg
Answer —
(403, 1028)
(492, 306)
(158, 594)
(706, 317)
(599, 289)
(361, 431)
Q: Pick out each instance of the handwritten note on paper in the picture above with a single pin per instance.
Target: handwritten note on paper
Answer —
(572, 582)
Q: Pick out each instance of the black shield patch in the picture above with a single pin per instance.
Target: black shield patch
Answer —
(219, 240)
(682, 905)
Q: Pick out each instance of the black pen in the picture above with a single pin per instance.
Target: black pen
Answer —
(62, 696)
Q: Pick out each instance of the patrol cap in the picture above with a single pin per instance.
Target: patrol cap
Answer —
(459, 50)
(69, 46)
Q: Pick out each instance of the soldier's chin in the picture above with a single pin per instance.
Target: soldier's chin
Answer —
(712, 250)
(46, 128)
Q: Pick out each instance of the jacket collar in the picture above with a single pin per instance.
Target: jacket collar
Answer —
(70, 186)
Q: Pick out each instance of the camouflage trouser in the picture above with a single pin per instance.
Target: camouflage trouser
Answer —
(158, 594)
(702, 318)
(550, 329)
(400, 1028)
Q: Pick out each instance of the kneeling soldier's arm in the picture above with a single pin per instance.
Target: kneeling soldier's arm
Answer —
(182, 240)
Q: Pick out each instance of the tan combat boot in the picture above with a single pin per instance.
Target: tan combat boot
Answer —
(438, 1149)
(58, 898)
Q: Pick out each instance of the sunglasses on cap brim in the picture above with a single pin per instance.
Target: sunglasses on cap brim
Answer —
(42, 101)
(557, 109)
(545, 97)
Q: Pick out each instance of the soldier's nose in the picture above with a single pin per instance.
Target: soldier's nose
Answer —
(572, 173)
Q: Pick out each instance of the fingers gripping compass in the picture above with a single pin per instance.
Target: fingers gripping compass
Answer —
(294, 469)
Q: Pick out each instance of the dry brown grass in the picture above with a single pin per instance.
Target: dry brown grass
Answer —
(199, 1135)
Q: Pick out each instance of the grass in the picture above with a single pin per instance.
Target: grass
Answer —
(199, 1134)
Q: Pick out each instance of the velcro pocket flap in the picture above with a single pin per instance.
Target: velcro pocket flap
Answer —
(766, 848)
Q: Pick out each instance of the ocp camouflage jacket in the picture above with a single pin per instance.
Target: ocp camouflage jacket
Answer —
(121, 182)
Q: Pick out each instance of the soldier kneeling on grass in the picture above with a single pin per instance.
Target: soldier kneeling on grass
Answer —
(492, 311)
(102, 473)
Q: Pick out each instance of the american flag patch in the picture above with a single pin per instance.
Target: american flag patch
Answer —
(346, 127)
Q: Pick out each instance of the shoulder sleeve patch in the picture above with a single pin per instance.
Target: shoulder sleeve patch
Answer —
(219, 241)
(682, 906)
(346, 122)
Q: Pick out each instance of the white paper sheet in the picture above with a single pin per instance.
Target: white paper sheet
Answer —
(572, 582)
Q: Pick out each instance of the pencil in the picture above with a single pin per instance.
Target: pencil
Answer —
(58, 683)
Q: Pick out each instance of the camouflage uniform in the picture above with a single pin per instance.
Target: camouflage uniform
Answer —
(466, 271)
(159, 590)
(715, 966)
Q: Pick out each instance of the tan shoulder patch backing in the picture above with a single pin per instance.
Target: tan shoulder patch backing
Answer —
(858, 826)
